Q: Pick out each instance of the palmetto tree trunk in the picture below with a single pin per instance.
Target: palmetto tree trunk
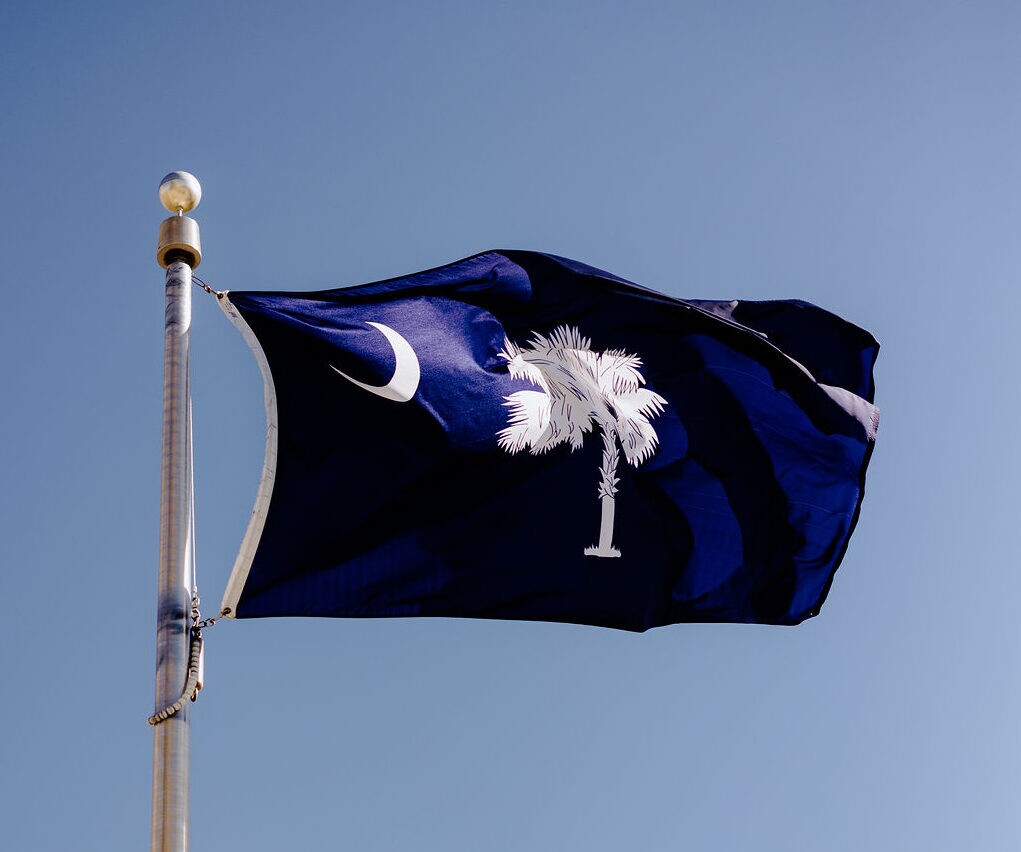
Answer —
(607, 490)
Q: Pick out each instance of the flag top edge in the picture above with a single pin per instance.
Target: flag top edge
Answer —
(395, 284)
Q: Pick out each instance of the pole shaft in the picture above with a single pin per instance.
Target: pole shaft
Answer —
(176, 572)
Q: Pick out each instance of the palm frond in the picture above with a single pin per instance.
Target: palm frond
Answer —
(528, 421)
(510, 350)
(573, 423)
(562, 337)
(637, 437)
(520, 367)
(618, 372)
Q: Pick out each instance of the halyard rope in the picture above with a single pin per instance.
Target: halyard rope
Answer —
(191, 685)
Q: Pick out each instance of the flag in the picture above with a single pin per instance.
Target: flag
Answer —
(521, 436)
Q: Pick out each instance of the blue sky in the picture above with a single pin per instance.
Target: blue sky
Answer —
(860, 156)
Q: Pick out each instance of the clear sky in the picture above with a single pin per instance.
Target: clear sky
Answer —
(862, 156)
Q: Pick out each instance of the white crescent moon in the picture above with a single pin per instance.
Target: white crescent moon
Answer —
(402, 387)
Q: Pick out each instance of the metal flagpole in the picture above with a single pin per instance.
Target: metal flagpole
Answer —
(178, 252)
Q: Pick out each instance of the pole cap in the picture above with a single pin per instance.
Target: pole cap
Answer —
(180, 192)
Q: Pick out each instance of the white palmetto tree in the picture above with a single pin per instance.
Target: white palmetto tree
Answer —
(578, 390)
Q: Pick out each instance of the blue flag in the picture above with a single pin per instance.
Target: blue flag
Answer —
(521, 436)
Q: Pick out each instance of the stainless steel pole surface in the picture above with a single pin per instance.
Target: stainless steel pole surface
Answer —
(176, 571)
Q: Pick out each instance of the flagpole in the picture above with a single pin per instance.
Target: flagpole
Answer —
(178, 252)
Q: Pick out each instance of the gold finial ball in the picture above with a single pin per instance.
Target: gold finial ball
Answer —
(180, 192)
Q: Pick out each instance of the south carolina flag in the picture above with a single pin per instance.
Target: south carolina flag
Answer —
(521, 436)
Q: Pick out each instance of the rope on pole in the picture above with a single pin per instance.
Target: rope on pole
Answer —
(194, 681)
(191, 686)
